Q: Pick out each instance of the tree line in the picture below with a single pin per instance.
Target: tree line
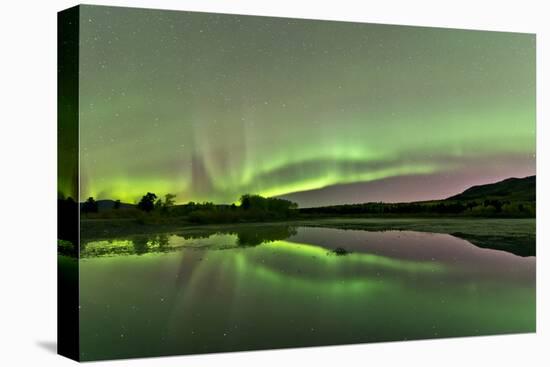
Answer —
(250, 208)
(488, 208)
(258, 208)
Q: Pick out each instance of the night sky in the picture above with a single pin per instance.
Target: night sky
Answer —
(210, 107)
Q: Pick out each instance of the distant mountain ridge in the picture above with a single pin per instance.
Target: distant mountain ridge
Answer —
(511, 189)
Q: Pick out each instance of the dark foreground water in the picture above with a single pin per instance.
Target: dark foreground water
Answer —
(279, 286)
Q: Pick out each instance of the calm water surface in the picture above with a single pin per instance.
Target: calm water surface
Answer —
(279, 286)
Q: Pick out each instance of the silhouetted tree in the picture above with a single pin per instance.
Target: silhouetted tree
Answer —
(116, 205)
(147, 202)
(245, 202)
(260, 203)
(159, 204)
(90, 206)
(169, 200)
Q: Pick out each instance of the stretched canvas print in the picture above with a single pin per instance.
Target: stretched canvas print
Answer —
(231, 183)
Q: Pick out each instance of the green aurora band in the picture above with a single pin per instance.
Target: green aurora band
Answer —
(210, 106)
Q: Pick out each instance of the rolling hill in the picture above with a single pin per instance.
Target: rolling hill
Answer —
(511, 189)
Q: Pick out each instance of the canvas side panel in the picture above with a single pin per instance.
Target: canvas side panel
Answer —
(67, 183)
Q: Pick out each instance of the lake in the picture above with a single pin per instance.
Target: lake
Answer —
(278, 286)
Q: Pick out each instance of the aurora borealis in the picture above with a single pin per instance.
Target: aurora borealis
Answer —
(210, 106)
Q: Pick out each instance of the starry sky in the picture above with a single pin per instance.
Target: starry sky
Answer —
(212, 106)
